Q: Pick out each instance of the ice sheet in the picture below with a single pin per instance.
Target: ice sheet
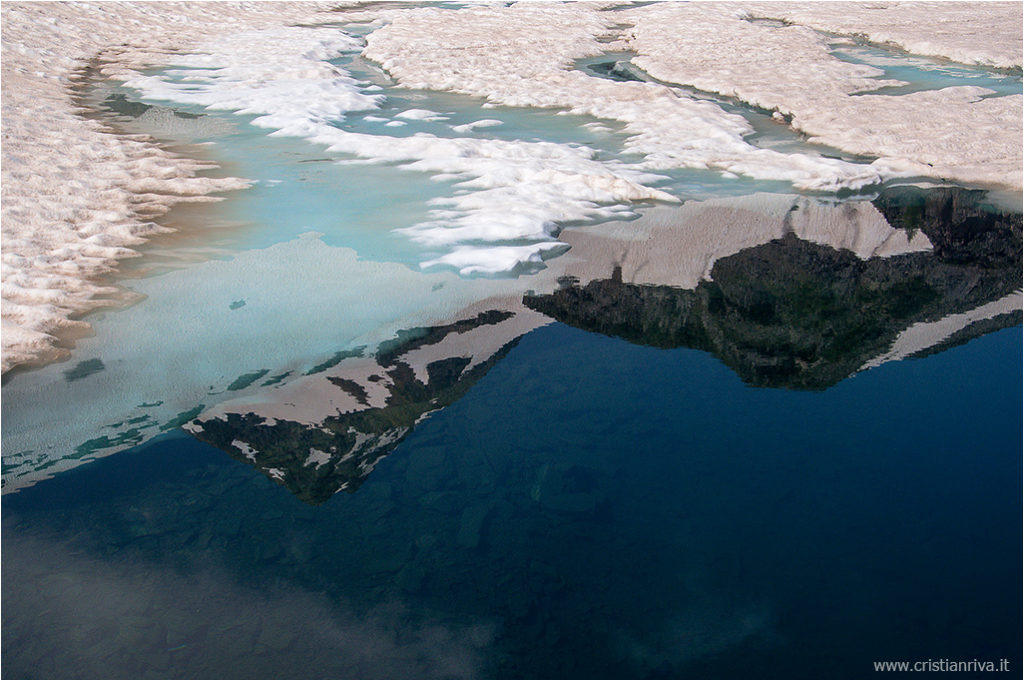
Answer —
(523, 56)
(952, 133)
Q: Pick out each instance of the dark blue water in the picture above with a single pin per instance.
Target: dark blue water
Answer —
(590, 508)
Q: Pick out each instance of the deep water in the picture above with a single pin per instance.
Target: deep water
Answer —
(591, 508)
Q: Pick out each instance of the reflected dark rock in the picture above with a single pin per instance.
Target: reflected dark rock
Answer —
(961, 228)
(316, 458)
(616, 70)
(791, 313)
(122, 106)
(798, 294)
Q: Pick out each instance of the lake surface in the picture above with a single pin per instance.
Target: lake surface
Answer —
(755, 433)
(590, 508)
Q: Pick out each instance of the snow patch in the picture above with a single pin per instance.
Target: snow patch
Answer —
(245, 448)
(317, 457)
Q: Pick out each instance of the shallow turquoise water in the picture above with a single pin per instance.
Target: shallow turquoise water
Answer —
(766, 132)
(924, 73)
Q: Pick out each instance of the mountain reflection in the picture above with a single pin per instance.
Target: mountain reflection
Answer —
(787, 291)
(795, 314)
(315, 455)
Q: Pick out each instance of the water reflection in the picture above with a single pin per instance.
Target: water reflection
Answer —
(786, 291)
(796, 314)
(548, 502)
(591, 508)
(325, 432)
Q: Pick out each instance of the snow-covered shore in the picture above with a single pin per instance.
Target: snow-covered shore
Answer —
(76, 198)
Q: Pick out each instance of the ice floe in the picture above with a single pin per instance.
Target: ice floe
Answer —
(988, 34)
(484, 123)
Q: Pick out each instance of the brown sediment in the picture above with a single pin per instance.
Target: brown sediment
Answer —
(55, 353)
(185, 219)
(52, 137)
(189, 218)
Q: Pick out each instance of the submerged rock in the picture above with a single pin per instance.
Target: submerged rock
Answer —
(471, 525)
(85, 368)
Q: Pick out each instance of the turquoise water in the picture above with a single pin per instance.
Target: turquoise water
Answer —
(924, 73)
(766, 132)
(531, 125)
(299, 187)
